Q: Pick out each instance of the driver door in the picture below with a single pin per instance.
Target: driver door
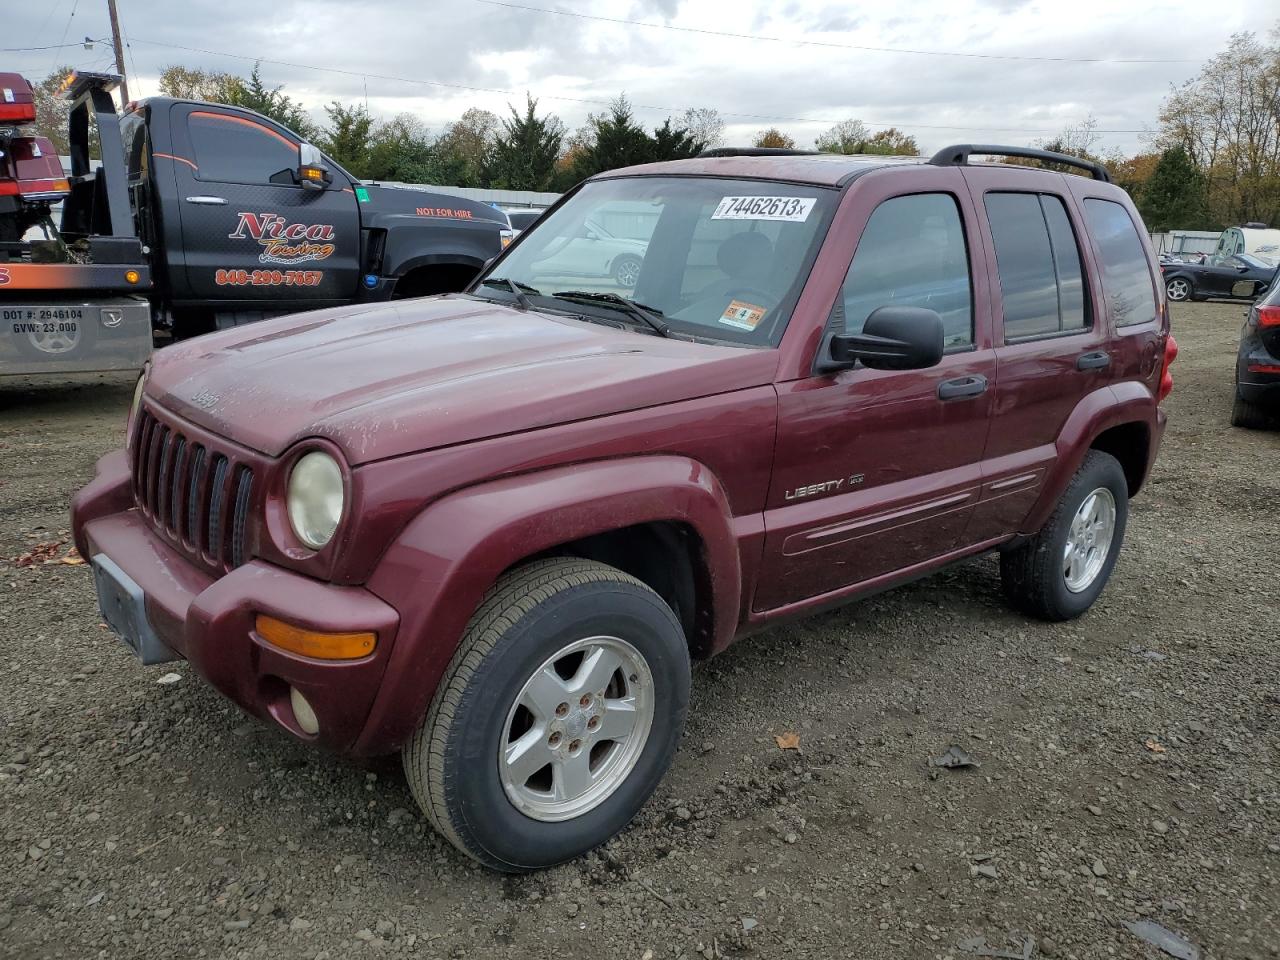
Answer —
(250, 233)
(877, 472)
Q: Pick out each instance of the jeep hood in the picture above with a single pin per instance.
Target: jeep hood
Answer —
(382, 380)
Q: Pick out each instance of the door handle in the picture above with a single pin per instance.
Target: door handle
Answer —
(1093, 361)
(962, 387)
(208, 201)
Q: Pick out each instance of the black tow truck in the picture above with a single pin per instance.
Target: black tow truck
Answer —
(202, 216)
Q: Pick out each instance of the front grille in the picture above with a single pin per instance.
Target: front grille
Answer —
(198, 496)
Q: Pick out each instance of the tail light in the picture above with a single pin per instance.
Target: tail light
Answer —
(1166, 378)
(1269, 315)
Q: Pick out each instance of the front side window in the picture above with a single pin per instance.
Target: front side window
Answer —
(912, 253)
(709, 258)
(1126, 275)
(231, 149)
(1038, 260)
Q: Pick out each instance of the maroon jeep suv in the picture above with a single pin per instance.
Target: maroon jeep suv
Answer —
(491, 530)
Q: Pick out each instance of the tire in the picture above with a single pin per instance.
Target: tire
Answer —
(1179, 289)
(455, 762)
(1247, 416)
(626, 271)
(1036, 576)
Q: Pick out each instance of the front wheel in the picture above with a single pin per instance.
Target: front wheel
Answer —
(558, 716)
(1178, 289)
(1059, 573)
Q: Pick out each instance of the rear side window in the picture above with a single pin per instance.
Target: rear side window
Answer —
(912, 253)
(1041, 281)
(239, 150)
(1126, 276)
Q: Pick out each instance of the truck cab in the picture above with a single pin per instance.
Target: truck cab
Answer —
(245, 219)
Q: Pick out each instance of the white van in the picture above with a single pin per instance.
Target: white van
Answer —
(1254, 239)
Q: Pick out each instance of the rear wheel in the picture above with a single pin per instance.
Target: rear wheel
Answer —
(1059, 573)
(1178, 288)
(558, 716)
(626, 271)
(1244, 414)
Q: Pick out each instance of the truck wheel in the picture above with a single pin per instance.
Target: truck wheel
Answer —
(1059, 573)
(1244, 414)
(557, 717)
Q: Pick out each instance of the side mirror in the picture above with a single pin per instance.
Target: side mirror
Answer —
(313, 174)
(893, 338)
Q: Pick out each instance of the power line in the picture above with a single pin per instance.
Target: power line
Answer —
(50, 46)
(587, 100)
(823, 43)
(63, 39)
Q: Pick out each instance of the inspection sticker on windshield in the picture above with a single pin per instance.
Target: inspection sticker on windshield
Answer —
(744, 316)
(794, 209)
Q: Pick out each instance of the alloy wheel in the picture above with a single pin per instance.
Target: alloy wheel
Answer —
(1089, 540)
(576, 729)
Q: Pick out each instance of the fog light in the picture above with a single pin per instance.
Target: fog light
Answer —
(303, 713)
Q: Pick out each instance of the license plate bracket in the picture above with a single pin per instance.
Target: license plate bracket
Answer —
(123, 606)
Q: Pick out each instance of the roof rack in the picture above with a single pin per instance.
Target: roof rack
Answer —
(756, 152)
(958, 155)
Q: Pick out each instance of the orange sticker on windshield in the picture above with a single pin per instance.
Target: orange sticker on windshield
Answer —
(744, 316)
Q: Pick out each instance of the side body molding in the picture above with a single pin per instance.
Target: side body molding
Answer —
(451, 554)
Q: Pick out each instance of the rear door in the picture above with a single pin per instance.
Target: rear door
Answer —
(1130, 276)
(1051, 336)
(878, 471)
(250, 233)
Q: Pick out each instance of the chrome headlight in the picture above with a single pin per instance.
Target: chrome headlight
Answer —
(315, 498)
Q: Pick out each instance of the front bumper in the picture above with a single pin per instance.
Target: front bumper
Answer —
(210, 621)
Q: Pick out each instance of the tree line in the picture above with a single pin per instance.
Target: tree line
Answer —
(1213, 158)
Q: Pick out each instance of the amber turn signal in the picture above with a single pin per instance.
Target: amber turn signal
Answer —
(132, 276)
(312, 643)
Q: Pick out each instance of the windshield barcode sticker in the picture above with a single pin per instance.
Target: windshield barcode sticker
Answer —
(793, 209)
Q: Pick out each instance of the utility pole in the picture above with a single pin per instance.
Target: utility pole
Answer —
(115, 39)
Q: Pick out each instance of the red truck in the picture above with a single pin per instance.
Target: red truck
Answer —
(492, 529)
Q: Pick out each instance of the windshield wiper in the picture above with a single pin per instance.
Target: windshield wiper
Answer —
(516, 287)
(651, 316)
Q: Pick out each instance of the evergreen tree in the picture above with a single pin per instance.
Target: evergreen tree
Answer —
(255, 95)
(674, 143)
(618, 142)
(347, 137)
(523, 156)
(1174, 197)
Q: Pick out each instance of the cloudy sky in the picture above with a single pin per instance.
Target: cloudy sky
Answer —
(436, 58)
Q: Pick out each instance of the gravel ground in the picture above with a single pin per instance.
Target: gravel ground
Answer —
(1128, 761)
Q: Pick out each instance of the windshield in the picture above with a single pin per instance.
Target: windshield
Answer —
(705, 257)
